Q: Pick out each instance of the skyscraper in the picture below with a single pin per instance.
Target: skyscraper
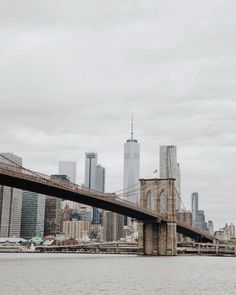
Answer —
(169, 168)
(131, 166)
(100, 179)
(68, 168)
(32, 218)
(94, 178)
(53, 216)
(194, 206)
(198, 216)
(210, 226)
(113, 224)
(53, 213)
(10, 202)
(90, 170)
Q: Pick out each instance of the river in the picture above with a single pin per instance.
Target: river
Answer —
(71, 274)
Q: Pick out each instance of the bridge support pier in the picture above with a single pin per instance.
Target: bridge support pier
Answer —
(159, 239)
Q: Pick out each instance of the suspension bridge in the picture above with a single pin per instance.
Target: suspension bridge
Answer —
(159, 224)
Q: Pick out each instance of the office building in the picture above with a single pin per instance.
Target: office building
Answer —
(53, 217)
(131, 167)
(94, 178)
(226, 233)
(201, 223)
(232, 231)
(76, 229)
(113, 224)
(100, 179)
(198, 216)
(10, 202)
(194, 206)
(32, 217)
(90, 170)
(210, 227)
(68, 168)
(169, 168)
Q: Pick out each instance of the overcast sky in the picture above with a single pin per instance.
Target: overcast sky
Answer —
(72, 73)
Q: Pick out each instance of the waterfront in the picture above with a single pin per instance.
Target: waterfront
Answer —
(115, 274)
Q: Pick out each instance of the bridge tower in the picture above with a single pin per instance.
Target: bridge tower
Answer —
(158, 238)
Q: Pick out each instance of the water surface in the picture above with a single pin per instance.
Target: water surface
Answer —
(115, 274)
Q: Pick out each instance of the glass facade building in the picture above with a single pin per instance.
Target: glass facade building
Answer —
(32, 218)
(10, 202)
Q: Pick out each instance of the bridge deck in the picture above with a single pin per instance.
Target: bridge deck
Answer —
(25, 179)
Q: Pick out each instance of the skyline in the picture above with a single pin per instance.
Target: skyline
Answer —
(71, 75)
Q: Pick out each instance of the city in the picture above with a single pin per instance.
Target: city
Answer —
(117, 147)
(35, 219)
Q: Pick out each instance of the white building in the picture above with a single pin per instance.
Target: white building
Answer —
(76, 229)
(169, 168)
(131, 168)
(226, 233)
(10, 202)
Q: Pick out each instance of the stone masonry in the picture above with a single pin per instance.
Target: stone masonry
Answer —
(158, 238)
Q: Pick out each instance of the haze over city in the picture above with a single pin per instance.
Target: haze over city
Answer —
(72, 75)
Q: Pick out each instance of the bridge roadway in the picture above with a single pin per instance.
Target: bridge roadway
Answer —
(26, 179)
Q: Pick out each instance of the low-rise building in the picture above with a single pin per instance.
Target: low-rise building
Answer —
(76, 229)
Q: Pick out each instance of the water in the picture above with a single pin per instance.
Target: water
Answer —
(115, 274)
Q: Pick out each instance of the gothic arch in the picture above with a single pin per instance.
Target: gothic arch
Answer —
(163, 201)
(150, 200)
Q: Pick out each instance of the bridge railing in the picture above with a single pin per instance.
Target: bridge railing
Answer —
(42, 178)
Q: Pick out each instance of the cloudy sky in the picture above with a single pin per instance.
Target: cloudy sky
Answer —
(72, 73)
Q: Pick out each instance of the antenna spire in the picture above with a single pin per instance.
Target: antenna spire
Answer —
(132, 127)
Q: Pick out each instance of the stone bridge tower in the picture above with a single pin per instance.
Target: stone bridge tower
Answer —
(158, 238)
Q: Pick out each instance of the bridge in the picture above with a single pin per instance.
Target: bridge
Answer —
(156, 210)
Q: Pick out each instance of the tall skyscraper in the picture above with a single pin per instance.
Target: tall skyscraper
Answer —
(194, 207)
(53, 212)
(94, 178)
(90, 170)
(198, 216)
(131, 166)
(32, 218)
(169, 168)
(10, 202)
(100, 179)
(68, 168)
